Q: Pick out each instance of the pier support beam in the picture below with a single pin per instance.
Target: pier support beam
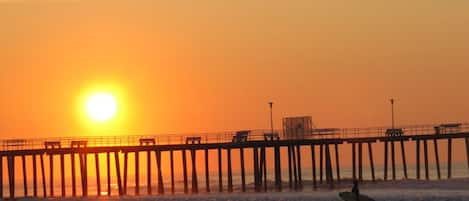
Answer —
(290, 177)
(74, 186)
(171, 158)
(118, 173)
(243, 173)
(207, 172)
(425, 151)
(159, 172)
(437, 158)
(43, 174)
(313, 165)
(11, 176)
(300, 179)
(230, 173)
(404, 164)
(372, 165)
(329, 175)
(98, 176)
(295, 168)
(108, 161)
(25, 177)
(195, 183)
(62, 173)
(467, 151)
(220, 174)
(278, 171)
(34, 177)
(417, 158)
(449, 157)
(149, 192)
(1, 176)
(393, 161)
(386, 160)
(321, 162)
(360, 162)
(137, 175)
(184, 170)
(126, 163)
(337, 163)
(354, 165)
(51, 174)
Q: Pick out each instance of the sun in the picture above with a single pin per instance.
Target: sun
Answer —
(101, 107)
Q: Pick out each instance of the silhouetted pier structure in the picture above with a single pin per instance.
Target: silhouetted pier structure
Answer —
(258, 141)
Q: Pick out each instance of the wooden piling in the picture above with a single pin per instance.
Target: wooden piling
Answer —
(393, 160)
(62, 174)
(184, 170)
(437, 158)
(220, 175)
(195, 183)
(256, 168)
(354, 165)
(126, 161)
(295, 168)
(207, 172)
(425, 151)
(313, 165)
(108, 161)
(278, 171)
(467, 151)
(118, 173)
(74, 186)
(329, 175)
(137, 175)
(360, 162)
(149, 172)
(160, 172)
(298, 155)
(417, 158)
(98, 176)
(1, 176)
(11, 176)
(290, 181)
(43, 174)
(385, 160)
(243, 173)
(171, 158)
(372, 165)
(404, 163)
(449, 157)
(264, 167)
(230, 173)
(34, 177)
(337, 163)
(25, 177)
(321, 162)
(84, 173)
(51, 174)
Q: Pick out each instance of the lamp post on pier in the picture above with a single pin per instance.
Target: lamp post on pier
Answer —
(271, 118)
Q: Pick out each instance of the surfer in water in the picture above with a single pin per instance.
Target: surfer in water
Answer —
(355, 190)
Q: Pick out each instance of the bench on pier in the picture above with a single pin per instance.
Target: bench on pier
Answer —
(241, 136)
(394, 132)
(147, 141)
(78, 144)
(448, 128)
(52, 144)
(193, 140)
(271, 136)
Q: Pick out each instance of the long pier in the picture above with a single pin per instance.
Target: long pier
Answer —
(42, 151)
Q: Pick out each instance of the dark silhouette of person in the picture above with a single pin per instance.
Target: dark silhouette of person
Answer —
(355, 190)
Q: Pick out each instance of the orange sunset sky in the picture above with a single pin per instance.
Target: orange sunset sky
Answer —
(192, 66)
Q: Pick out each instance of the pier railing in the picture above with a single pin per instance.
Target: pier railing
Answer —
(226, 137)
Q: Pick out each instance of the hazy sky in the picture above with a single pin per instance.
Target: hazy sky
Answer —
(189, 66)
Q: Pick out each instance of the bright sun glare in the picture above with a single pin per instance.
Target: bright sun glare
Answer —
(101, 107)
